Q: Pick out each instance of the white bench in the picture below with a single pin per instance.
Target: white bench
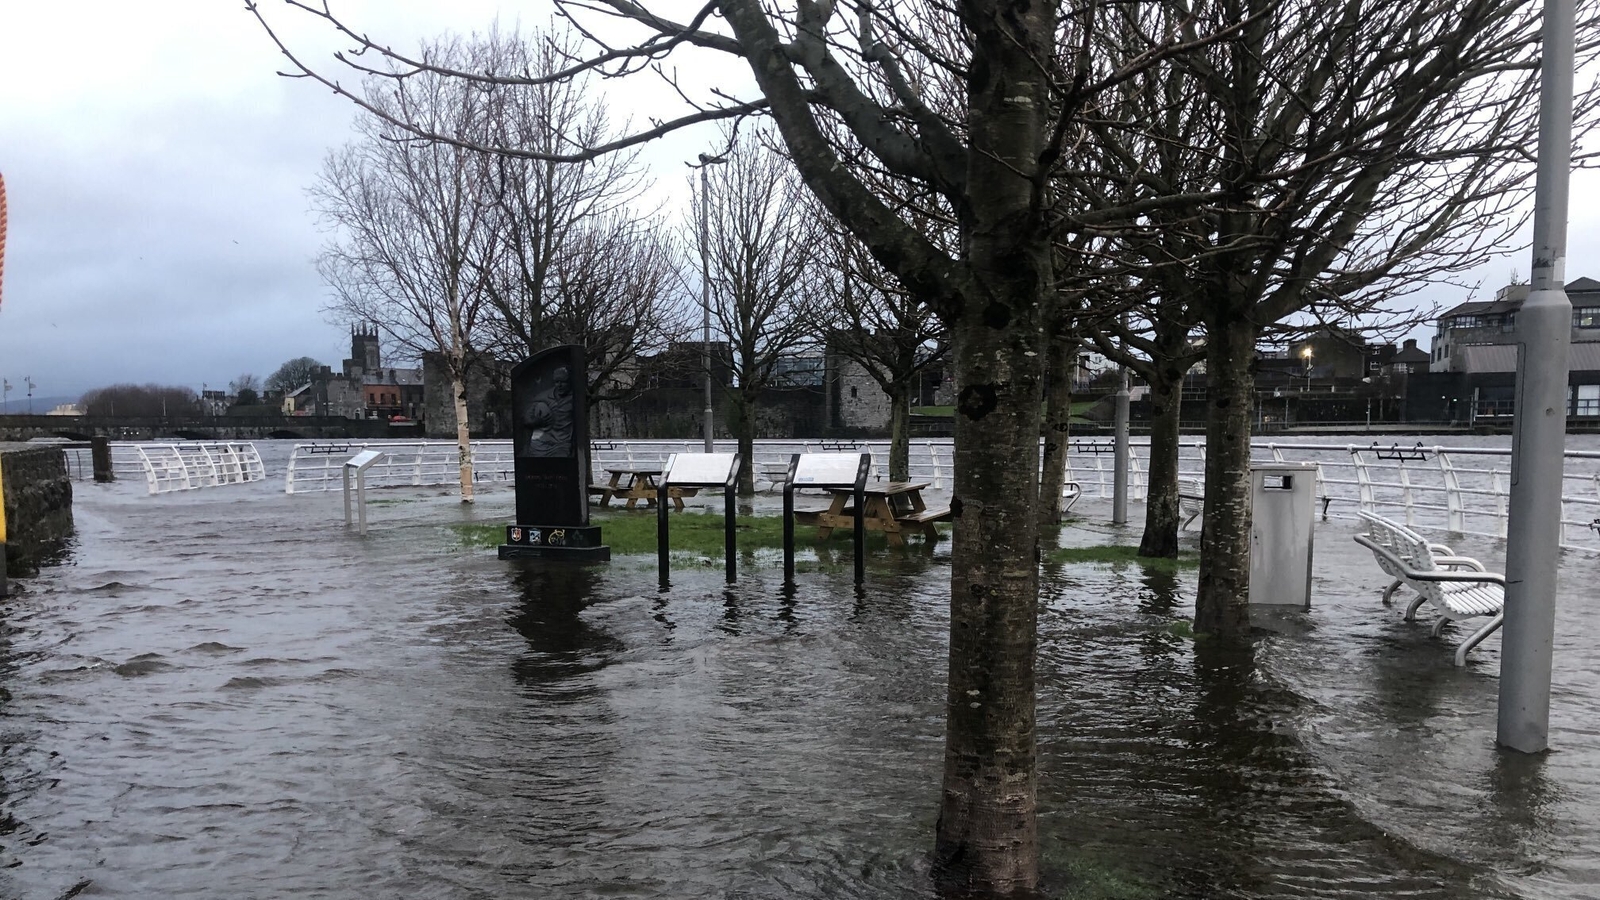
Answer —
(1458, 587)
(1191, 501)
(1070, 492)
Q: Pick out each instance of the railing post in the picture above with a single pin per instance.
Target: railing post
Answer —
(1452, 493)
(1405, 494)
(1363, 480)
(1499, 502)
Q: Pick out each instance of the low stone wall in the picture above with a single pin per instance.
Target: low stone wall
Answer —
(38, 504)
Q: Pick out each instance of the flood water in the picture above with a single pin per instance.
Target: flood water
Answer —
(223, 693)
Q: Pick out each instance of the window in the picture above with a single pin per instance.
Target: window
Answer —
(1586, 317)
(852, 392)
(1588, 400)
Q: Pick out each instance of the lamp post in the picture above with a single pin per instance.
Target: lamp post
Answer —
(1539, 428)
(705, 282)
(28, 380)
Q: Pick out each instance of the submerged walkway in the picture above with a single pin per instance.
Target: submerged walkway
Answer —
(225, 693)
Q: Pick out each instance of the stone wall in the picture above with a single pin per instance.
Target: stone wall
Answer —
(862, 402)
(38, 505)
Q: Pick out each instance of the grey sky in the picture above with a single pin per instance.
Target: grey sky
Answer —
(157, 172)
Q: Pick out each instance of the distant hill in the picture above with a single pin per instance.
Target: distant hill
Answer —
(18, 406)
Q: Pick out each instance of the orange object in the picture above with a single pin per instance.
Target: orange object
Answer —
(2, 236)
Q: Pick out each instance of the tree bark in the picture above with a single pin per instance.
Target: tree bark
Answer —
(900, 432)
(458, 386)
(987, 836)
(1057, 427)
(744, 429)
(1161, 516)
(1222, 606)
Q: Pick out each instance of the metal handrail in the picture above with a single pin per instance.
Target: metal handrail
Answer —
(1444, 488)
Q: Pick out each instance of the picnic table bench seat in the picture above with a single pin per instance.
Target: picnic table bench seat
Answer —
(1458, 587)
(924, 516)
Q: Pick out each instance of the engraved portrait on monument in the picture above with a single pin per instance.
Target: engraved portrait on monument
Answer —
(548, 417)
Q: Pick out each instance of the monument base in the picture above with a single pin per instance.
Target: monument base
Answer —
(565, 554)
(574, 543)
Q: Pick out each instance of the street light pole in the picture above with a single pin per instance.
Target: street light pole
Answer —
(705, 283)
(1539, 428)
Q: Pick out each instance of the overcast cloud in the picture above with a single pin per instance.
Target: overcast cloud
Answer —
(157, 171)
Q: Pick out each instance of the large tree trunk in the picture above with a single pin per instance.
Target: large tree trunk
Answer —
(987, 836)
(1222, 606)
(1161, 516)
(458, 386)
(1062, 354)
(900, 432)
(744, 429)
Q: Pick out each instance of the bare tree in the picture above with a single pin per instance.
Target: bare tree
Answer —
(412, 216)
(577, 259)
(293, 374)
(1334, 156)
(874, 322)
(971, 105)
(762, 252)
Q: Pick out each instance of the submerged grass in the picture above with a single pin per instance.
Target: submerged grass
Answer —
(1111, 554)
(690, 533)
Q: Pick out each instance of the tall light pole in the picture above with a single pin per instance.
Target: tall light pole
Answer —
(28, 380)
(1539, 429)
(705, 281)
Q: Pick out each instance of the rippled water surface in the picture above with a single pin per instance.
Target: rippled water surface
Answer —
(225, 694)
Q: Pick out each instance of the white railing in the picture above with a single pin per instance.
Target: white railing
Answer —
(320, 466)
(1449, 489)
(317, 466)
(1458, 489)
(188, 465)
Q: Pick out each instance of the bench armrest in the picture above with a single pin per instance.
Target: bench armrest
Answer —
(1479, 577)
(1462, 561)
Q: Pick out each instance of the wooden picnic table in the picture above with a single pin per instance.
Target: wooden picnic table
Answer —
(892, 507)
(640, 484)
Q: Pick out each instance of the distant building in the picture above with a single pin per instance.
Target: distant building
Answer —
(1473, 365)
(362, 389)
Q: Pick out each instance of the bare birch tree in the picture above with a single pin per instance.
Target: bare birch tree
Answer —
(578, 257)
(410, 218)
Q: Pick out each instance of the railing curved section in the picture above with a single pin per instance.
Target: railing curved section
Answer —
(188, 465)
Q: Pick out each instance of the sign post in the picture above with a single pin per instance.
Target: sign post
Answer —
(827, 470)
(707, 470)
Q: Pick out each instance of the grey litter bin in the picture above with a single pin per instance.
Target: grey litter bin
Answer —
(1282, 523)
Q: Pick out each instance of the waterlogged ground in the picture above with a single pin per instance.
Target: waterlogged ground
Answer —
(226, 694)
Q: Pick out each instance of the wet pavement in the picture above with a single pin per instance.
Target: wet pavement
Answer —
(225, 694)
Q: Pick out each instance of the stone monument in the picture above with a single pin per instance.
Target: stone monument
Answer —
(550, 439)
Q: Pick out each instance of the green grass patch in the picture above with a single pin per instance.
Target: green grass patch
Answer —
(692, 533)
(1122, 554)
